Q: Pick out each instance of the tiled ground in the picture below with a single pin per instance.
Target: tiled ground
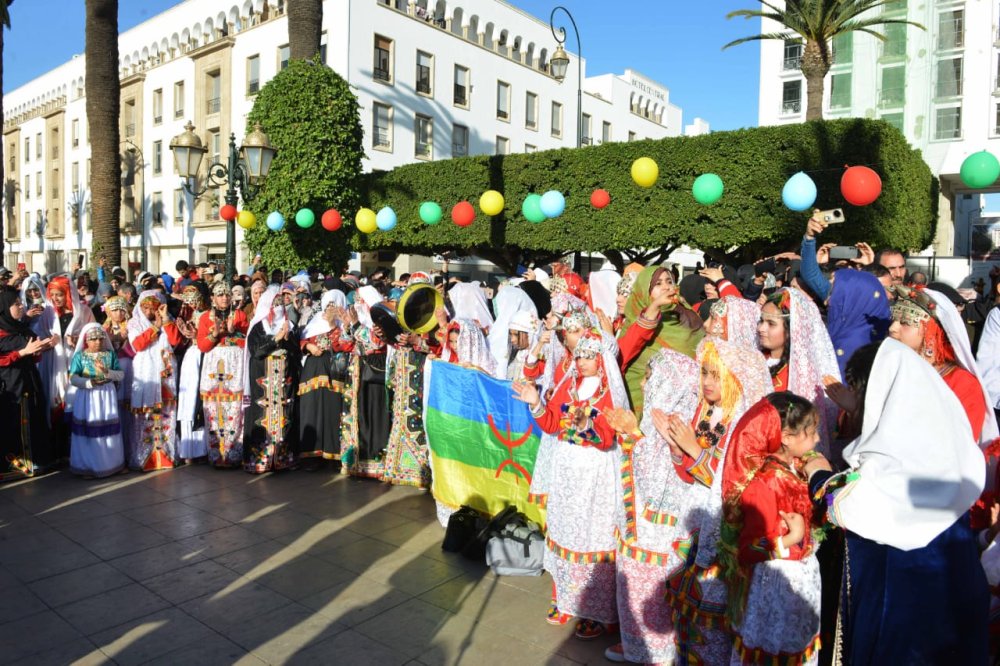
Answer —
(200, 566)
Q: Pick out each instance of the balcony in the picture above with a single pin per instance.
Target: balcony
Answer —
(791, 107)
(502, 115)
(461, 95)
(253, 87)
(892, 97)
(178, 113)
(459, 150)
(213, 105)
(130, 129)
(381, 138)
(424, 86)
(792, 63)
(380, 74)
(157, 120)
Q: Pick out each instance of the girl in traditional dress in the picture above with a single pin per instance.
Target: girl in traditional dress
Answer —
(326, 347)
(116, 326)
(270, 436)
(857, 313)
(153, 334)
(193, 440)
(96, 448)
(767, 553)
(26, 447)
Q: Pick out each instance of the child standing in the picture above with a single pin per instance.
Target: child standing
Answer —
(96, 443)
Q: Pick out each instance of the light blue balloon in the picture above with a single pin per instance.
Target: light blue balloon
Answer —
(275, 221)
(799, 192)
(553, 203)
(386, 219)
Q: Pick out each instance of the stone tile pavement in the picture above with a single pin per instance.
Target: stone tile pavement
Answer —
(203, 566)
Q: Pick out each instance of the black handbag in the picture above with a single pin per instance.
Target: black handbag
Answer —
(476, 548)
(463, 527)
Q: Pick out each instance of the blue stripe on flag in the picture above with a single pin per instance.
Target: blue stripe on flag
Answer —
(473, 395)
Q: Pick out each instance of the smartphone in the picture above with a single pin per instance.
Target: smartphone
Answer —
(766, 266)
(841, 252)
(79, 260)
(832, 216)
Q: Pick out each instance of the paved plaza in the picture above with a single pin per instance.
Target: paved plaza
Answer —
(201, 566)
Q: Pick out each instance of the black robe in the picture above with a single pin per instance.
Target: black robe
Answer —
(270, 436)
(321, 403)
(26, 445)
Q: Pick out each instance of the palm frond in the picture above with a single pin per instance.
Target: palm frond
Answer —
(875, 22)
(756, 38)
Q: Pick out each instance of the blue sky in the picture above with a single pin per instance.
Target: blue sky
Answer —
(676, 43)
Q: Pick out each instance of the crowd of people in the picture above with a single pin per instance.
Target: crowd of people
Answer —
(764, 464)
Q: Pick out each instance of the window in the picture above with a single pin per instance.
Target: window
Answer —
(843, 48)
(503, 145)
(38, 146)
(503, 100)
(54, 142)
(948, 123)
(894, 6)
(893, 86)
(213, 91)
(128, 115)
(531, 110)
(894, 119)
(156, 209)
(27, 149)
(27, 186)
(214, 146)
(791, 97)
(382, 126)
(157, 158)
(793, 54)
(840, 91)
(894, 45)
(631, 136)
(425, 73)
(54, 186)
(76, 132)
(283, 53)
(179, 99)
(951, 29)
(74, 171)
(586, 137)
(179, 205)
(38, 184)
(12, 162)
(461, 94)
(996, 119)
(528, 148)
(605, 132)
(39, 225)
(459, 141)
(382, 67)
(423, 134)
(27, 223)
(253, 74)
(556, 119)
(949, 78)
(157, 107)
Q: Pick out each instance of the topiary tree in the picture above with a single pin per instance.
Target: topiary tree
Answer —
(311, 117)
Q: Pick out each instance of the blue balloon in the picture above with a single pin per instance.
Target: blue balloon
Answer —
(799, 192)
(553, 203)
(275, 221)
(386, 219)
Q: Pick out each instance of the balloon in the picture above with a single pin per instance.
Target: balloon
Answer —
(246, 219)
(645, 172)
(600, 198)
(491, 202)
(532, 208)
(430, 212)
(860, 185)
(331, 220)
(228, 213)
(553, 203)
(980, 170)
(275, 221)
(365, 221)
(707, 189)
(463, 214)
(305, 218)
(799, 192)
(386, 219)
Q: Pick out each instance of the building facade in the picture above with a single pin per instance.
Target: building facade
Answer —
(434, 80)
(939, 85)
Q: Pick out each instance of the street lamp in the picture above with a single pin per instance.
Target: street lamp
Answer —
(559, 63)
(244, 174)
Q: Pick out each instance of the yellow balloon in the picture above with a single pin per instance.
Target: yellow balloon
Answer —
(645, 172)
(365, 221)
(491, 202)
(246, 219)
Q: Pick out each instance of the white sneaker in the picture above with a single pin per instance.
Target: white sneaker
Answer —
(615, 653)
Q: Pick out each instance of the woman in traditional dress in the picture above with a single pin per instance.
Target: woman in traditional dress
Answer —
(857, 313)
(222, 338)
(96, 448)
(26, 447)
(270, 436)
(193, 439)
(508, 305)
(326, 354)
(116, 326)
(153, 334)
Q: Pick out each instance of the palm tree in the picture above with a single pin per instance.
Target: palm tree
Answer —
(305, 25)
(4, 23)
(817, 22)
(103, 107)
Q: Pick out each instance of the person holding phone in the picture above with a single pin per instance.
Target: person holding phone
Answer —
(809, 270)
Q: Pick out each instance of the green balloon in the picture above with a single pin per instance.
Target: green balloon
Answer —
(430, 212)
(532, 208)
(980, 170)
(707, 189)
(305, 218)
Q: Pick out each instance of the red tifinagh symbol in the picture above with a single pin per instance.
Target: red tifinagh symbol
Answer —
(510, 445)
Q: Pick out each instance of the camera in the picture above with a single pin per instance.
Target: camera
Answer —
(832, 216)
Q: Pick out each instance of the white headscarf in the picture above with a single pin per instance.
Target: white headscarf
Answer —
(368, 296)
(469, 302)
(148, 364)
(604, 292)
(471, 348)
(507, 303)
(81, 343)
(918, 468)
(270, 323)
(318, 325)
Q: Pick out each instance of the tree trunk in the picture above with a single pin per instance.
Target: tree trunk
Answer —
(305, 24)
(815, 65)
(103, 108)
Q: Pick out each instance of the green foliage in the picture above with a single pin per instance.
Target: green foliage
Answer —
(311, 117)
(753, 163)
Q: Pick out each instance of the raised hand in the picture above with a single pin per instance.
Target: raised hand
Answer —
(526, 391)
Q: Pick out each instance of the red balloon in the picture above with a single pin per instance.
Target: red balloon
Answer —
(228, 213)
(860, 185)
(600, 198)
(463, 214)
(331, 220)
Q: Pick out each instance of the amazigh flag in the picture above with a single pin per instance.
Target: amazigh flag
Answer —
(482, 440)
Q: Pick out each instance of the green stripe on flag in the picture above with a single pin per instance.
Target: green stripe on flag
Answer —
(477, 444)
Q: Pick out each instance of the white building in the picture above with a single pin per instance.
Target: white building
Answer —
(459, 77)
(939, 86)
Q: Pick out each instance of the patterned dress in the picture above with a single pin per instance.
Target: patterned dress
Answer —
(222, 388)
(367, 419)
(406, 457)
(270, 438)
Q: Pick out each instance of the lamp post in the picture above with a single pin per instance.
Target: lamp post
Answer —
(559, 63)
(243, 174)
